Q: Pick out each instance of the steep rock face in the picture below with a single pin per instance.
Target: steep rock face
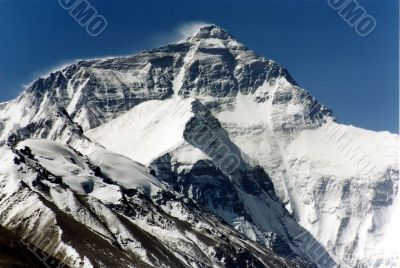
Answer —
(61, 193)
(27, 117)
(187, 148)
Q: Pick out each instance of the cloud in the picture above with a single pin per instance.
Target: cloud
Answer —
(180, 33)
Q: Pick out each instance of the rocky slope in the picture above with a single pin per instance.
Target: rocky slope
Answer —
(91, 216)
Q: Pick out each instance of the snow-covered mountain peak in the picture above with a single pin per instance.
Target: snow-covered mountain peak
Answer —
(209, 64)
(211, 31)
(158, 106)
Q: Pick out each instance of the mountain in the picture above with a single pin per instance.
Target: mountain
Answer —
(197, 154)
(113, 216)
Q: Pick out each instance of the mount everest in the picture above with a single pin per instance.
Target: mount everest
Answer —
(197, 154)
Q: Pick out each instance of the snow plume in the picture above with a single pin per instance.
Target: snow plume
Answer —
(180, 33)
(186, 30)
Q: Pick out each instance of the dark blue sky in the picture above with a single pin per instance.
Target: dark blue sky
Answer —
(357, 77)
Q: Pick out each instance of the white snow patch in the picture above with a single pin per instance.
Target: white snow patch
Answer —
(147, 131)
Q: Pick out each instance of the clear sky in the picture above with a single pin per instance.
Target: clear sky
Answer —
(357, 77)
